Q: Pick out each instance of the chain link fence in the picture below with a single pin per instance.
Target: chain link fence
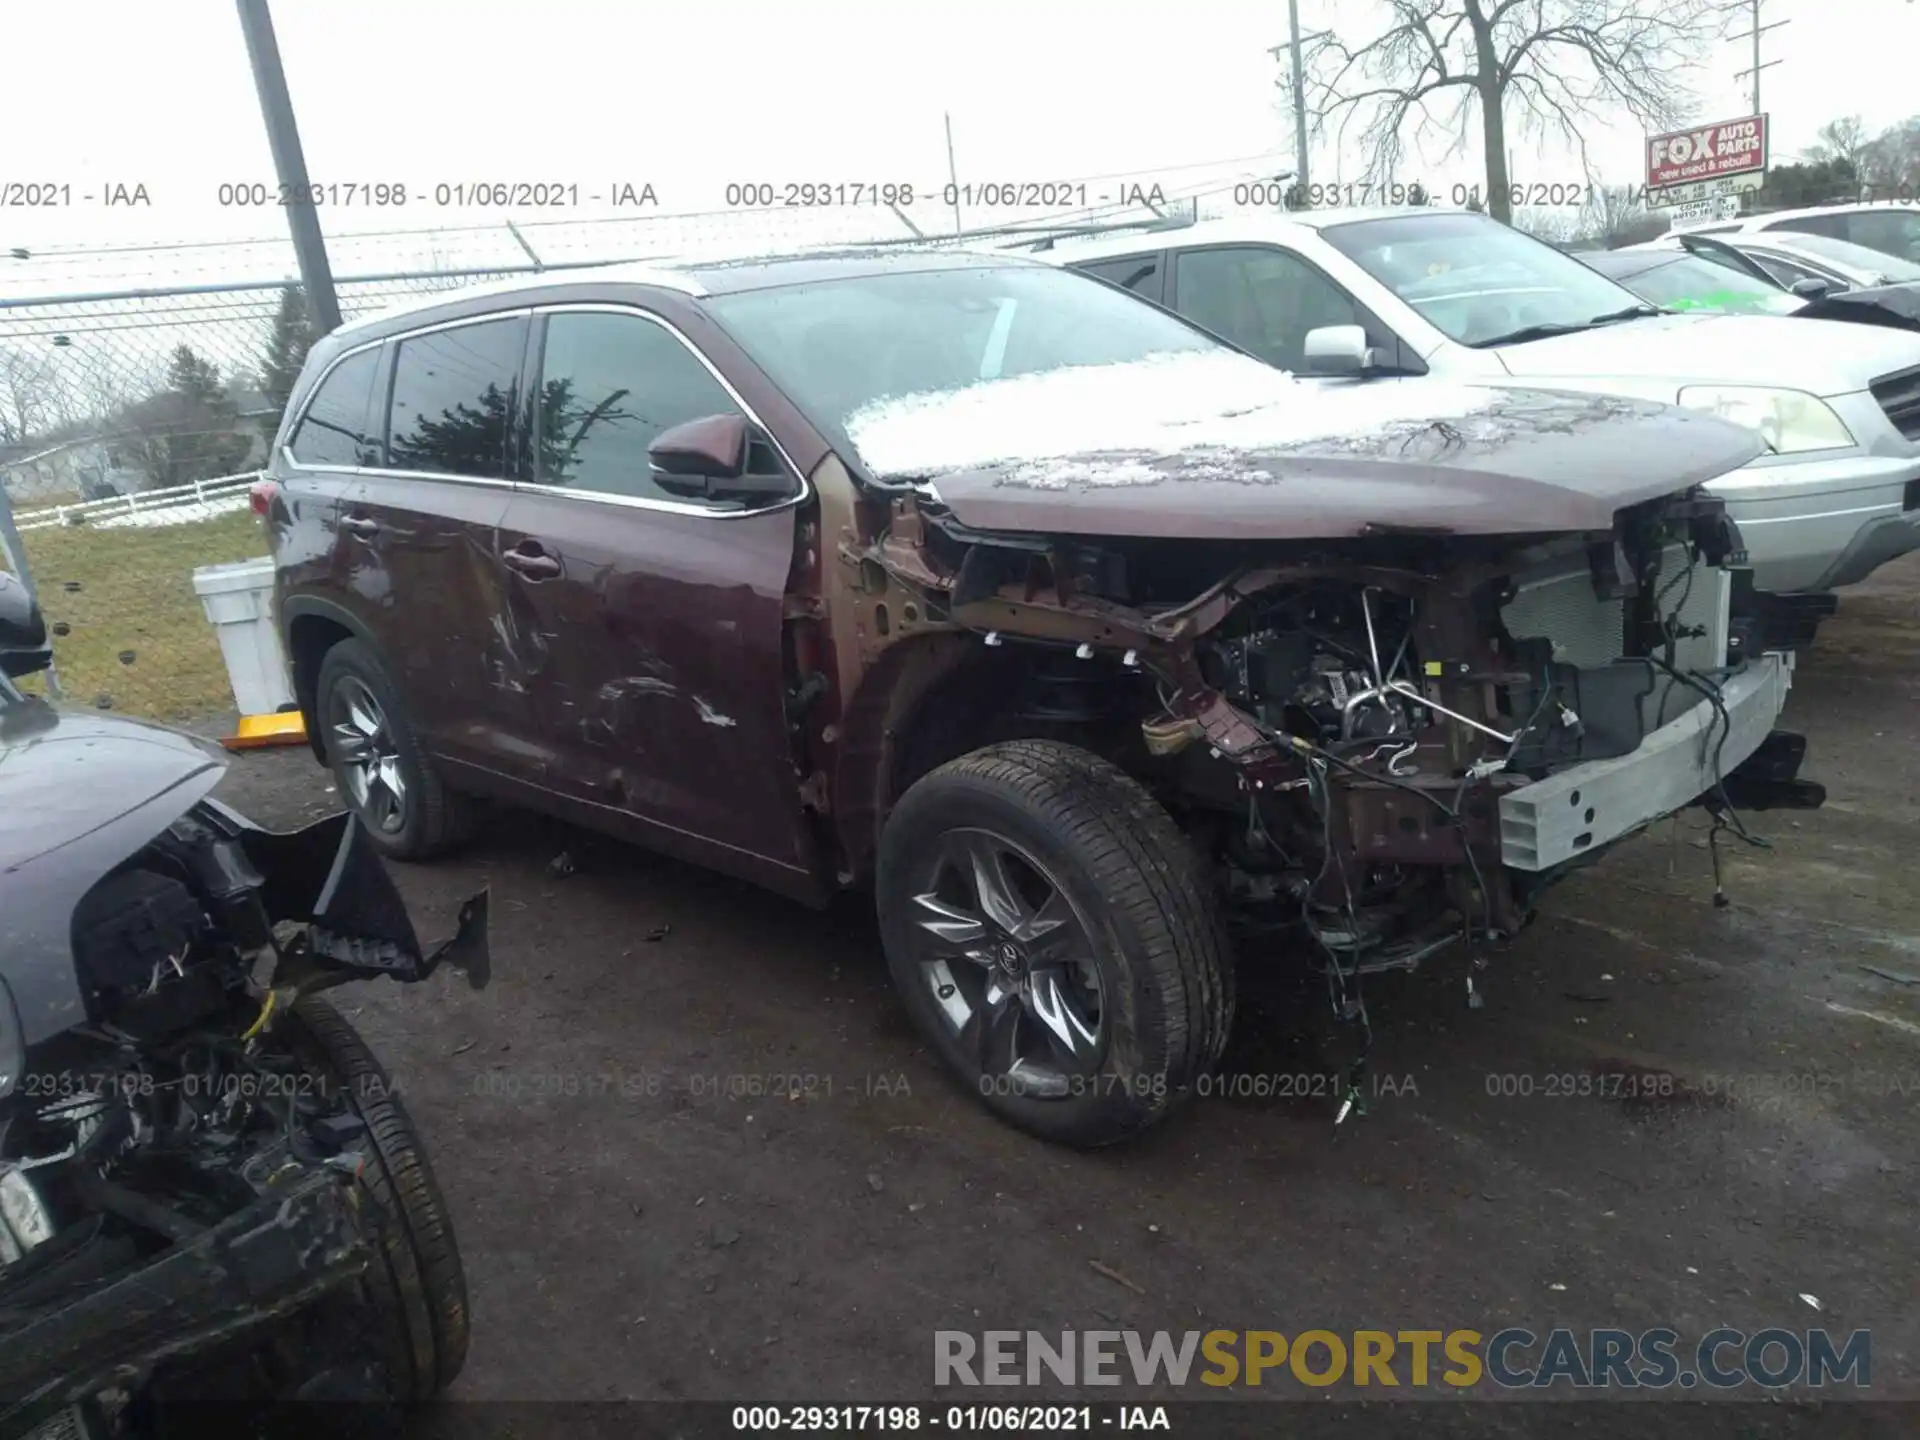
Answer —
(134, 414)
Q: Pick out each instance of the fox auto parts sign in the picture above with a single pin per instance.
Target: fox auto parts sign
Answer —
(1705, 160)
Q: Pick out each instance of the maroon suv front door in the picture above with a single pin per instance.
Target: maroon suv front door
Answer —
(647, 626)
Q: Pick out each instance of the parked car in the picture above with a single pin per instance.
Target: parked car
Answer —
(1736, 276)
(1890, 226)
(1457, 294)
(209, 1189)
(1062, 625)
(1673, 277)
(1821, 264)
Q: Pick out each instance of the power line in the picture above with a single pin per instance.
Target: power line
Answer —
(65, 252)
(1756, 32)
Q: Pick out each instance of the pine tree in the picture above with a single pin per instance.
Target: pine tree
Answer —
(187, 431)
(287, 346)
(196, 378)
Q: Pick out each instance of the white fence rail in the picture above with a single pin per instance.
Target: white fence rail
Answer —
(178, 505)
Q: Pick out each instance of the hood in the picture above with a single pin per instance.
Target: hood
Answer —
(1789, 351)
(1894, 306)
(65, 775)
(1187, 446)
(79, 793)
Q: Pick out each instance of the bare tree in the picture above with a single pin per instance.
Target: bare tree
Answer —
(1843, 141)
(31, 397)
(1554, 226)
(1555, 62)
(1890, 162)
(1617, 215)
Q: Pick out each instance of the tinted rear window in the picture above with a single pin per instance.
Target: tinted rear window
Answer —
(453, 399)
(1139, 273)
(334, 430)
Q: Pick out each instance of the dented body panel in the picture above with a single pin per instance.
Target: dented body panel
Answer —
(653, 662)
(434, 571)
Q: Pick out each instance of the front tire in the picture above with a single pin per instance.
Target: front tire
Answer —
(1056, 937)
(415, 1285)
(383, 772)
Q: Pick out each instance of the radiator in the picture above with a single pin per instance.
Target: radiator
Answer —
(1556, 602)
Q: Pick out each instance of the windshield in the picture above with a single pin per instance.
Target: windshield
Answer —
(1476, 280)
(1850, 255)
(837, 346)
(1680, 281)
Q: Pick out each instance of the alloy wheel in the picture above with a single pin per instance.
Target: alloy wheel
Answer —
(368, 756)
(1010, 963)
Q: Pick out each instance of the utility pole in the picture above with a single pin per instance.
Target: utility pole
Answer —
(1756, 32)
(1294, 41)
(303, 217)
(953, 175)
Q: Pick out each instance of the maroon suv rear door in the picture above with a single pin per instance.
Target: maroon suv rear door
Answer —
(647, 624)
(420, 535)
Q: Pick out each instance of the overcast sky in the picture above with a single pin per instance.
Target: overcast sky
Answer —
(689, 97)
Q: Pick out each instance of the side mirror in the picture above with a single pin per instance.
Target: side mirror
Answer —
(1339, 350)
(713, 447)
(23, 630)
(708, 459)
(1811, 289)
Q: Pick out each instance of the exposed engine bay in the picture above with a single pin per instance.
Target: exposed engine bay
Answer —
(192, 1203)
(1394, 744)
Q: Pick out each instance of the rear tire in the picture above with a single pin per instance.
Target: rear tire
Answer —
(383, 773)
(1097, 886)
(415, 1284)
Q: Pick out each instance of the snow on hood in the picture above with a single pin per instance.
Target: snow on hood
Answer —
(1216, 402)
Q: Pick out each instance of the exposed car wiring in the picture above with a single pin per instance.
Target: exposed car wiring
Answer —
(1726, 818)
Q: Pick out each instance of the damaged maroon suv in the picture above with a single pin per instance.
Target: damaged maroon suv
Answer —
(1083, 639)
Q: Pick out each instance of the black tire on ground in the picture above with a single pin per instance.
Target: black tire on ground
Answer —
(1158, 940)
(437, 819)
(415, 1285)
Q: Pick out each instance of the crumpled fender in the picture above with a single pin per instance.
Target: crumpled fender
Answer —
(328, 877)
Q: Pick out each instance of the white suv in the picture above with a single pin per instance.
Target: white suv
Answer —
(1455, 293)
(1889, 226)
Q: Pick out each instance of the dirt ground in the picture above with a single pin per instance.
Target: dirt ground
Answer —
(637, 1222)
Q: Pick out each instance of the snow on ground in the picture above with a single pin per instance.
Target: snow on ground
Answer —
(187, 513)
(1162, 405)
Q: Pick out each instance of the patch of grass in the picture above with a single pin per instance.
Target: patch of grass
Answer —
(136, 596)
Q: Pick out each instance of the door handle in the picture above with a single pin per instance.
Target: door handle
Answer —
(360, 525)
(533, 565)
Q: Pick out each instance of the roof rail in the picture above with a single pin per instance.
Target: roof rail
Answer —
(1037, 235)
(1078, 232)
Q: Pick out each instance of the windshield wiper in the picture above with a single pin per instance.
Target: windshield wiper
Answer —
(1530, 332)
(1632, 312)
(1559, 327)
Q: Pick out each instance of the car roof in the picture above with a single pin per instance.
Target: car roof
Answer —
(1252, 229)
(766, 272)
(1750, 223)
(695, 278)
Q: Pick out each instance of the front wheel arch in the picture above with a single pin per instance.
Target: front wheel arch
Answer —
(313, 627)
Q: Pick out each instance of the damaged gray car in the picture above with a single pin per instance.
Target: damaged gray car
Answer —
(209, 1189)
(1111, 659)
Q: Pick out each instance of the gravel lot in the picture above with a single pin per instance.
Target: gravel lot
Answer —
(637, 1223)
